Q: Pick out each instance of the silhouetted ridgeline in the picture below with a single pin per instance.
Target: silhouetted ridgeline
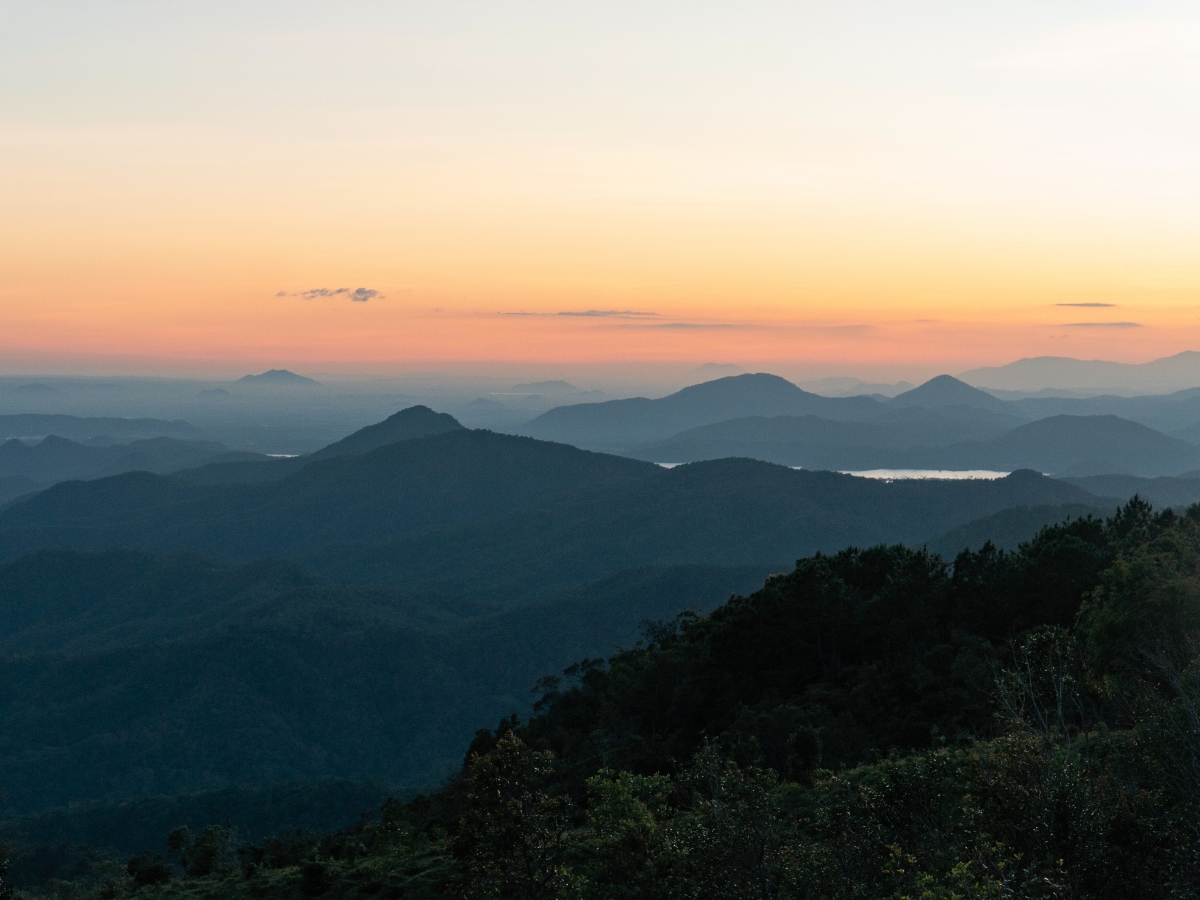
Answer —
(472, 510)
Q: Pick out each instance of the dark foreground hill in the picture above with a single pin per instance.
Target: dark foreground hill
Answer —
(874, 724)
(465, 511)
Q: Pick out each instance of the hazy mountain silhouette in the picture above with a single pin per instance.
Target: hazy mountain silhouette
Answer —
(898, 439)
(1170, 373)
(82, 428)
(1163, 491)
(638, 421)
(277, 378)
(945, 390)
(1084, 445)
(57, 459)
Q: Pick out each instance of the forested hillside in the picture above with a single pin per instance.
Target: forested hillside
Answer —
(876, 723)
(467, 511)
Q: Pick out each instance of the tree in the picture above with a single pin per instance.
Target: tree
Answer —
(513, 839)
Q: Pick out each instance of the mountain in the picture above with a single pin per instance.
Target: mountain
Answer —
(473, 512)
(30, 426)
(900, 438)
(438, 480)
(1084, 445)
(952, 437)
(1171, 373)
(619, 424)
(58, 459)
(277, 378)
(945, 390)
(1163, 491)
(414, 422)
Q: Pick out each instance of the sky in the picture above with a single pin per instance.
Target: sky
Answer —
(853, 187)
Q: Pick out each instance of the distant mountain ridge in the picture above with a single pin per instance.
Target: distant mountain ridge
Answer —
(933, 439)
(85, 428)
(57, 458)
(277, 378)
(1170, 373)
(627, 423)
(474, 511)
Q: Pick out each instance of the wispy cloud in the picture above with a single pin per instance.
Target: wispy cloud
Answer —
(589, 313)
(601, 313)
(1089, 305)
(1102, 325)
(680, 325)
(357, 295)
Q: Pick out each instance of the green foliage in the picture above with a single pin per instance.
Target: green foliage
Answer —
(513, 838)
(193, 674)
(149, 869)
(6, 889)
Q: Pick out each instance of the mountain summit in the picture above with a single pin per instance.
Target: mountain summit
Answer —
(277, 378)
(946, 390)
(414, 422)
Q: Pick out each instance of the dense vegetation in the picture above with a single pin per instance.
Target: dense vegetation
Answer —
(130, 674)
(877, 723)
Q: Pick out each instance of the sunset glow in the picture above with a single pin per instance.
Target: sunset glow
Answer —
(849, 184)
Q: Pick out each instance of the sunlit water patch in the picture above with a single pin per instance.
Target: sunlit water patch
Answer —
(908, 474)
(930, 474)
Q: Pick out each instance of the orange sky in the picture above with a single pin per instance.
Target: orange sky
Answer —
(785, 183)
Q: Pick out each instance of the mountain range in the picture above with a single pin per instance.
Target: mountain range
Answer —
(1171, 373)
(942, 424)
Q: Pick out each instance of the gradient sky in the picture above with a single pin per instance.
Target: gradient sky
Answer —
(852, 184)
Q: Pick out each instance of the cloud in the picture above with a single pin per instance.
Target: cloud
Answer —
(358, 295)
(589, 313)
(1102, 324)
(679, 325)
(1089, 305)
